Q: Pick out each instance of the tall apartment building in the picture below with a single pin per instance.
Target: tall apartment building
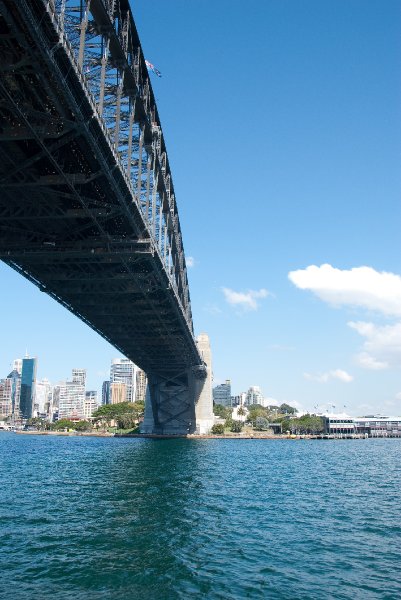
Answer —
(90, 404)
(43, 398)
(254, 396)
(106, 392)
(124, 371)
(28, 380)
(222, 393)
(10, 389)
(71, 396)
(141, 385)
(118, 393)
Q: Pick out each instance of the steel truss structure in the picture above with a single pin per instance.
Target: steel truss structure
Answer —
(87, 204)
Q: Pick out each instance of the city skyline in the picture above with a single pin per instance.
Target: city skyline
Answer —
(287, 182)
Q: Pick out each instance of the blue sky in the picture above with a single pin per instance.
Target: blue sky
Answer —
(282, 121)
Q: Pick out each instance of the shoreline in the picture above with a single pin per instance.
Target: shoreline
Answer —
(188, 436)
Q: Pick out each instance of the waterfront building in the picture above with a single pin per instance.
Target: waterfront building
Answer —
(71, 396)
(118, 393)
(28, 381)
(141, 385)
(90, 404)
(222, 393)
(338, 424)
(378, 426)
(254, 396)
(106, 392)
(124, 371)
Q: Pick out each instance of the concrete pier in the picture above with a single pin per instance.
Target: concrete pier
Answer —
(181, 404)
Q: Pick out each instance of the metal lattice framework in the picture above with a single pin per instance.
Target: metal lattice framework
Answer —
(87, 204)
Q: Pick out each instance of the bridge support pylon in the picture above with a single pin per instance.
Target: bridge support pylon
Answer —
(182, 403)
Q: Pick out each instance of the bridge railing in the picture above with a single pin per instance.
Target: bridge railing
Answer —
(101, 40)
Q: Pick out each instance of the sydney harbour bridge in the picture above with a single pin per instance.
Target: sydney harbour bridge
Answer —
(87, 205)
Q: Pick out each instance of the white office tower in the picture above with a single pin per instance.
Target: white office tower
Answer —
(123, 370)
(204, 405)
(90, 404)
(72, 396)
(43, 398)
(17, 365)
(254, 396)
(79, 376)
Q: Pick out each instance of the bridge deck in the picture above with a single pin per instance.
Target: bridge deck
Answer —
(93, 226)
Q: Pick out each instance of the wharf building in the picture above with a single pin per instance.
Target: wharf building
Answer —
(368, 426)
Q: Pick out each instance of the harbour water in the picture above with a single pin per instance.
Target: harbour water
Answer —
(107, 519)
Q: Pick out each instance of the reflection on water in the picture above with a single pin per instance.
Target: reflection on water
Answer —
(85, 518)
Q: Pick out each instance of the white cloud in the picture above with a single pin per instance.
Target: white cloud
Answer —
(190, 262)
(369, 362)
(398, 396)
(325, 377)
(245, 300)
(382, 346)
(360, 286)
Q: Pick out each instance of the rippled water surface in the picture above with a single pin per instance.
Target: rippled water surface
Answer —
(97, 518)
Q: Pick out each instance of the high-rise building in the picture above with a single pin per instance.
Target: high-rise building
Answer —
(17, 365)
(10, 389)
(141, 385)
(43, 398)
(222, 393)
(118, 393)
(79, 376)
(123, 370)
(239, 400)
(28, 380)
(106, 392)
(71, 396)
(254, 396)
(90, 404)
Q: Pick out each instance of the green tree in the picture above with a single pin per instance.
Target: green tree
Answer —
(236, 426)
(83, 426)
(222, 411)
(63, 424)
(241, 411)
(37, 422)
(307, 424)
(261, 424)
(125, 414)
(218, 429)
(255, 411)
(286, 409)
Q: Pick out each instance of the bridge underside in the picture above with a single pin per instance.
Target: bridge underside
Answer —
(69, 220)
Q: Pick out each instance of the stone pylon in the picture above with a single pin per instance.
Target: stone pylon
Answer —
(183, 403)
